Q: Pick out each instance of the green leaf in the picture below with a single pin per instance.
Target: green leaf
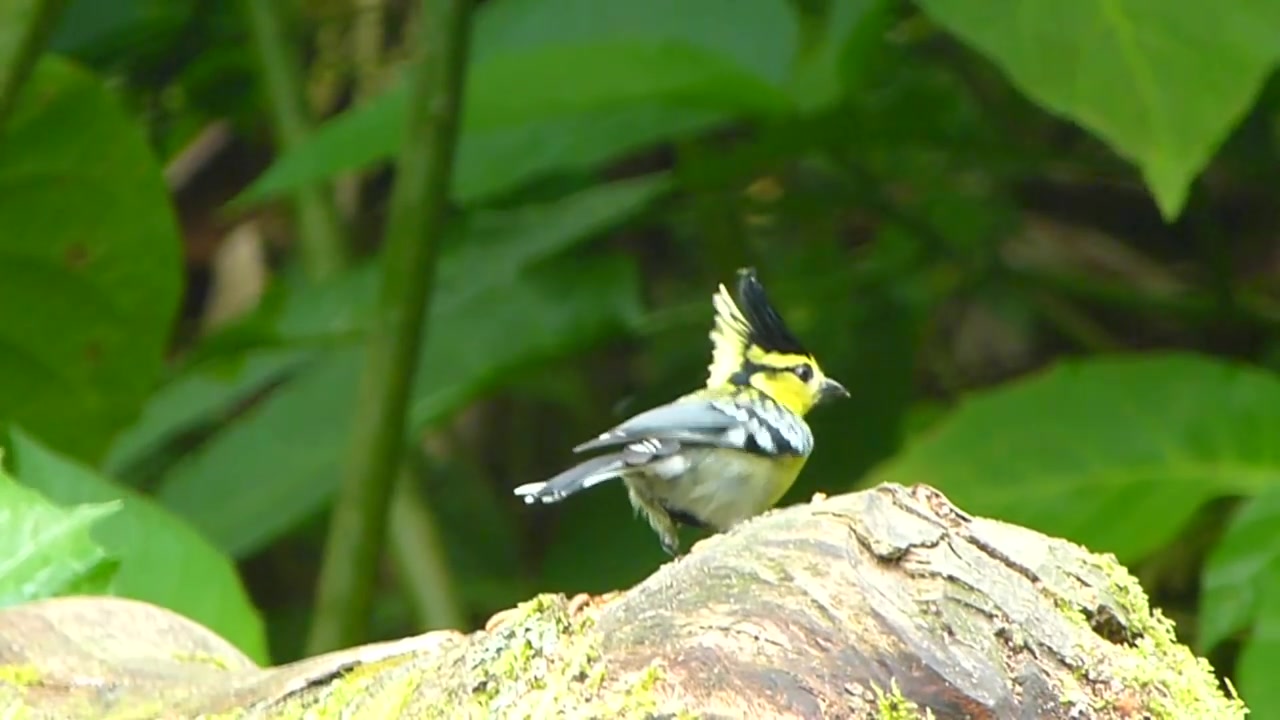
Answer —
(89, 247)
(275, 466)
(761, 40)
(489, 162)
(550, 312)
(1115, 453)
(163, 561)
(100, 32)
(1239, 569)
(280, 463)
(538, 59)
(46, 550)
(566, 85)
(201, 395)
(1162, 81)
(1256, 666)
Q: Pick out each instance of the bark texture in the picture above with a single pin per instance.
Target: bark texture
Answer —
(886, 603)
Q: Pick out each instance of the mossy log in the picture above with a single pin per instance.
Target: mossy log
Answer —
(886, 603)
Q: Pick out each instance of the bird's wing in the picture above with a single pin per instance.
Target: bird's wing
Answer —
(695, 421)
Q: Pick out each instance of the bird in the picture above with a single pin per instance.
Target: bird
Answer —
(725, 452)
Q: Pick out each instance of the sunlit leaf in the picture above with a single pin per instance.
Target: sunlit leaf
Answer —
(1136, 73)
(90, 273)
(1115, 453)
(46, 550)
(1240, 568)
(565, 85)
(163, 561)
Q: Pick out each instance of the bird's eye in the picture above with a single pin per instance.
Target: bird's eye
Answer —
(804, 372)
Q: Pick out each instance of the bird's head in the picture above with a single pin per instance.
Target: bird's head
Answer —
(753, 347)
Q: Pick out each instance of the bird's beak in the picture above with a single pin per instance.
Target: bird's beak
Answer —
(831, 390)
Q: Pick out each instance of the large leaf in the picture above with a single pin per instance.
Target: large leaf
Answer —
(99, 32)
(46, 550)
(202, 395)
(1241, 591)
(163, 561)
(550, 312)
(536, 59)
(1136, 73)
(564, 85)
(490, 161)
(275, 466)
(1241, 567)
(1256, 667)
(1115, 453)
(281, 462)
(90, 273)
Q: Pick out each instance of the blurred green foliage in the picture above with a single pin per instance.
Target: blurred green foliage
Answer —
(143, 537)
(48, 550)
(105, 275)
(1037, 240)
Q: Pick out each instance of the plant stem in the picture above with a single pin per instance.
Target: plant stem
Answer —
(418, 205)
(323, 249)
(25, 25)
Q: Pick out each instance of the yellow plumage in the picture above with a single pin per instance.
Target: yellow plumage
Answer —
(726, 452)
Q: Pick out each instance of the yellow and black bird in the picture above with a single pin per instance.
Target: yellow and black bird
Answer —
(723, 453)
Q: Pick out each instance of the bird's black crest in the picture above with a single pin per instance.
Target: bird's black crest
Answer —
(767, 328)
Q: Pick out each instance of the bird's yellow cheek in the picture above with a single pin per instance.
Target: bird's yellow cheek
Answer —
(786, 389)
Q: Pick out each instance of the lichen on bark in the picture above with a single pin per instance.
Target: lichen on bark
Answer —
(887, 603)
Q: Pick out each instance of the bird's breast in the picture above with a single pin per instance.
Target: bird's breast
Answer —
(722, 487)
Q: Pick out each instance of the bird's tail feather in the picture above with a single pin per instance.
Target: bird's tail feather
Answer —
(579, 477)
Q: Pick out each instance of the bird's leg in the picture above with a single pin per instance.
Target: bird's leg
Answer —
(670, 543)
(658, 518)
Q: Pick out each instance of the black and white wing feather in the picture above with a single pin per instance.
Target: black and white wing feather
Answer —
(760, 427)
(658, 434)
(646, 438)
(695, 421)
